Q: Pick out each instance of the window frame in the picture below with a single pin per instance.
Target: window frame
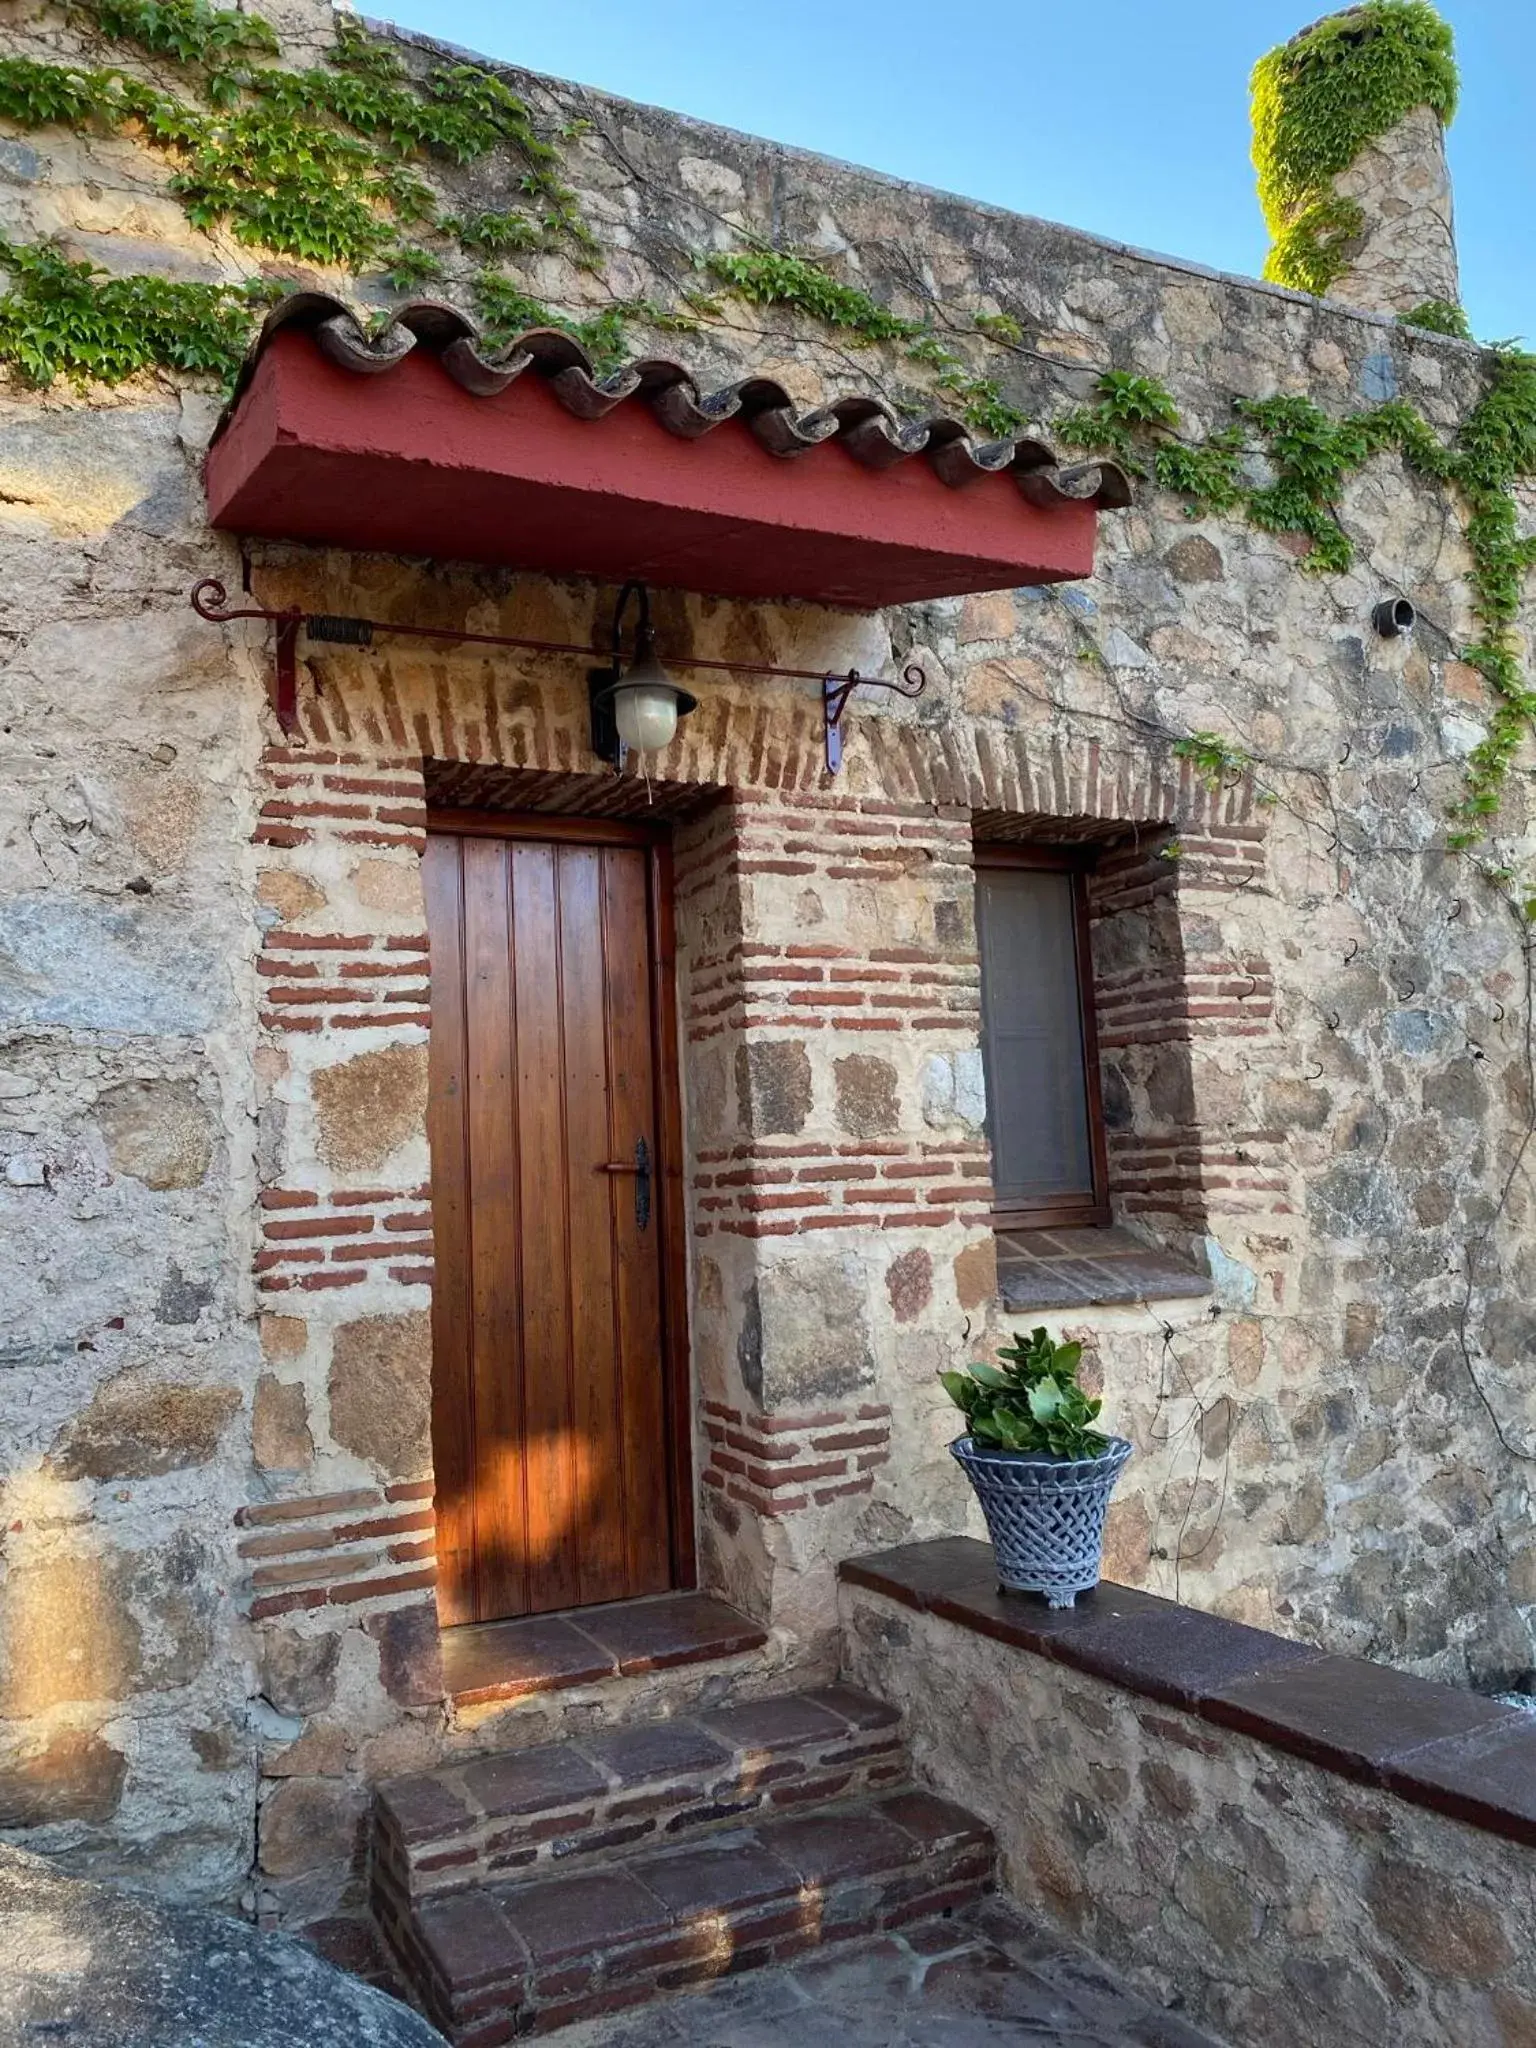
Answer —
(1091, 1210)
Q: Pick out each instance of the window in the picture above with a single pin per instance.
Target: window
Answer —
(1039, 1047)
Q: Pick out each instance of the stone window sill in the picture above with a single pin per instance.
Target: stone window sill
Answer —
(1436, 1746)
(1089, 1268)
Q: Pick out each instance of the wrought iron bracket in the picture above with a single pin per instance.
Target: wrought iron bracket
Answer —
(836, 691)
(210, 600)
(603, 726)
(284, 689)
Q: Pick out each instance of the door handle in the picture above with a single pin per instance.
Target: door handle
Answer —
(640, 1167)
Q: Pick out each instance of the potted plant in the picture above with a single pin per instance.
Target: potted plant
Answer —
(1042, 1472)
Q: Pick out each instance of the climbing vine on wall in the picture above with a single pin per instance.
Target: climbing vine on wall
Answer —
(777, 277)
(1438, 316)
(1322, 98)
(323, 164)
(1310, 457)
(65, 319)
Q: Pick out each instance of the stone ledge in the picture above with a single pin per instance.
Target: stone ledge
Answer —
(1434, 1745)
(1089, 1268)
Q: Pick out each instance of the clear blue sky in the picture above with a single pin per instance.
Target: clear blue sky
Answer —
(1128, 118)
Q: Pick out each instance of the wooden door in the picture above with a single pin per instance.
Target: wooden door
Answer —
(555, 1432)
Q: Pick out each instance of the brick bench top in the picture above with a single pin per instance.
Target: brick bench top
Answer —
(1436, 1745)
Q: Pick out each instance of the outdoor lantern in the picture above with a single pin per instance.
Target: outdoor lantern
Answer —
(635, 708)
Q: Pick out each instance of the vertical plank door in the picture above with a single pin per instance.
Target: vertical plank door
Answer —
(549, 1418)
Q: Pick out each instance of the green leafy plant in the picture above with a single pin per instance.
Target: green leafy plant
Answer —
(777, 277)
(1000, 327)
(1312, 457)
(1440, 316)
(407, 268)
(1125, 404)
(508, 311)
(318, 164)
(1029, 1401)
(1322, 98)
(1216, 761)
(191, 31)
(494, 234)
(64, 319)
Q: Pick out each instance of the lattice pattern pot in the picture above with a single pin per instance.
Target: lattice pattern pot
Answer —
(1045, 1515)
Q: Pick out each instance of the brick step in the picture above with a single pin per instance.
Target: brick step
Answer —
(574, 1803)
(498, 1962)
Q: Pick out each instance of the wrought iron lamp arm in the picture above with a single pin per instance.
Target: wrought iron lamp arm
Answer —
(210, 600)
(836, 691)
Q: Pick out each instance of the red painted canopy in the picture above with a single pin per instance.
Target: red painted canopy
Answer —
(419, 441)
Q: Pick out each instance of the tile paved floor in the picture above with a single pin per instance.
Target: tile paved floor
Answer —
(493, 1660)
(985, 1979)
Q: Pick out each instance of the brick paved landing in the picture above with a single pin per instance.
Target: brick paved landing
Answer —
(506, 1660)
(983, 1979)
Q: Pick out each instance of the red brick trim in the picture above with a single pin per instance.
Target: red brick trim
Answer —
(780, 1464)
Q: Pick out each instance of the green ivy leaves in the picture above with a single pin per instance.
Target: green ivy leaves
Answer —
(191, 31)
(507, 311)
(316, 164)
(1216, 761)
(1322, 98)
(1313, 457)
(1440, 316)
(774, 277)
(1126, 405)
(778, 277)
(63, 319)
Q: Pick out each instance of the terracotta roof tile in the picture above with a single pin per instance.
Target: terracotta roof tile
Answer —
(870, 429)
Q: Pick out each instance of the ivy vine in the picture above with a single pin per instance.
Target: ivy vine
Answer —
(1311, 457)
(1216, 761)
(1439, 316)
(67, 319)
(1322, 98)
(190, 31)
(778, 277)
(323, 164)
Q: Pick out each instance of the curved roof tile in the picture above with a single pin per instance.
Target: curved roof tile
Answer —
(870, 429)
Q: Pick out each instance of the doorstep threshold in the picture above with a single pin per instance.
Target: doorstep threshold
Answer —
(507, 1660)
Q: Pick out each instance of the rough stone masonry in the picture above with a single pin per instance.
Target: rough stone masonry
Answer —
(216, 1614)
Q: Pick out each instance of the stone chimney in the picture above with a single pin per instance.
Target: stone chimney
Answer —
(1373, 228)
(1405, 251)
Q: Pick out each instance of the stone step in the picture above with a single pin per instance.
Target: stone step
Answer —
(500, 1961)
(574, 1803)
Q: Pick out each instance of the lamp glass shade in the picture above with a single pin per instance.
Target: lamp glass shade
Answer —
(645, 707)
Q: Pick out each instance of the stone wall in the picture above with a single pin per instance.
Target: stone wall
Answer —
(213, 1169)
(1274, 1901)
